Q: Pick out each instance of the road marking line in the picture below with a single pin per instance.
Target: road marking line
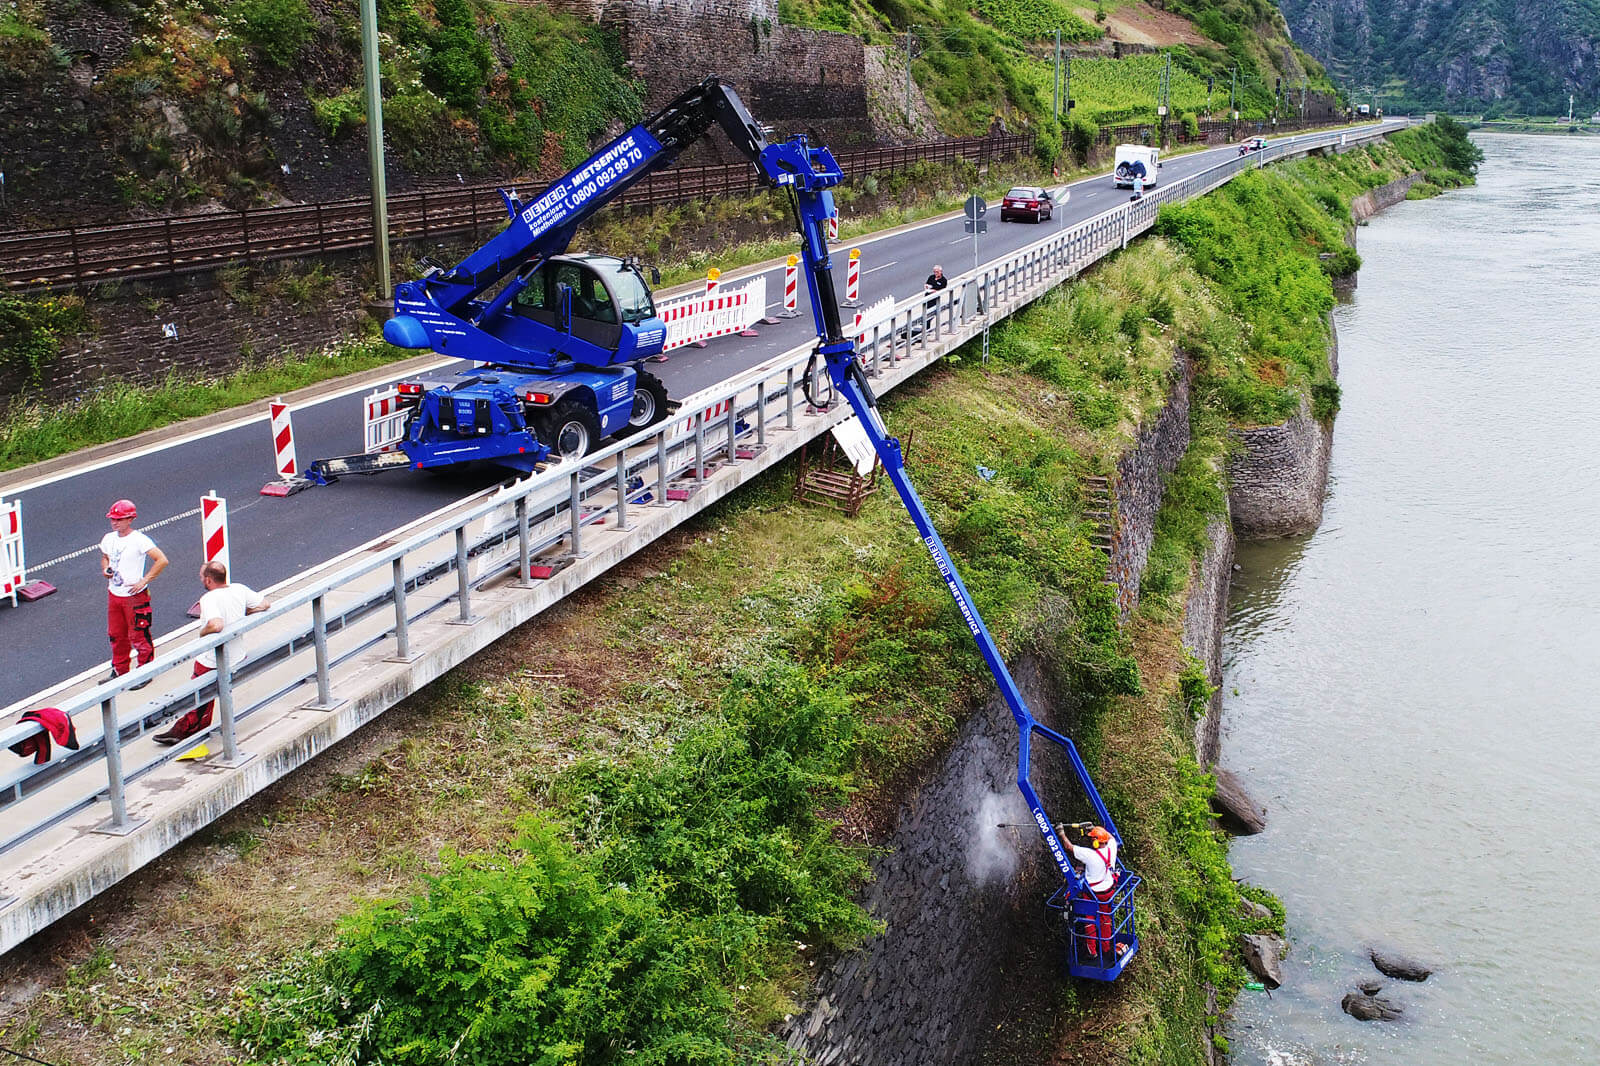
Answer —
(96, 546)
(885, 266)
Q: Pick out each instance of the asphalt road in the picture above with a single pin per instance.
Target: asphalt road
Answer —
(276, 538)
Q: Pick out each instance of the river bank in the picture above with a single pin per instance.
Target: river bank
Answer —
(707, 750)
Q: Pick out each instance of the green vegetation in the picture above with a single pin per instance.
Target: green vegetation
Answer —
(1035, 19)
(32, 431)
(30, 334)
(276, 29)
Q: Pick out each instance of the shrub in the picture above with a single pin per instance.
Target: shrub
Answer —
(276, 29)
(338, 115)
(31, 331)
(458, 66)
(1081, 137)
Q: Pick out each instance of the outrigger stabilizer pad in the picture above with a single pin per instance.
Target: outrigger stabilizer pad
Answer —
(287, 487)
(35, 590)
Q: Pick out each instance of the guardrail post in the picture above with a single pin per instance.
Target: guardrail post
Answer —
(761, 414)
(321, 240)
(661, 466)
(226, 723)
(733, 418)
(575, 509)
(464, 616)
(319, 641)
(788, 399)
(118, 824)
(524, 547)
(622, 492)
(244, 220)
(172, 262)
(402, 626)
(699, 448)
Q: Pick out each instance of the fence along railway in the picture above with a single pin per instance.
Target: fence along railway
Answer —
(153, 249)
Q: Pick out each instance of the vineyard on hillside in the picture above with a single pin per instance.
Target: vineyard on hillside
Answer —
(1111, 91)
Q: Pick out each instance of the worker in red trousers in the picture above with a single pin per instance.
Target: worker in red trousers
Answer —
(130, 561)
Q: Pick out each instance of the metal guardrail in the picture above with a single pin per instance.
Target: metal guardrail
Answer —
(375, 600)
(186, 244)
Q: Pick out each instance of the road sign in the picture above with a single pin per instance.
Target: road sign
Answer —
(982, 225)
(976, 207)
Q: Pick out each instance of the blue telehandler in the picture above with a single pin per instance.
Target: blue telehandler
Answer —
(563, 371)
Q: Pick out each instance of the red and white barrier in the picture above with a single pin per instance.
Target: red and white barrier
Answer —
(833, 227)
(283, 439)
(383, 426)
(852, 279)
(715, 313)
(869, 317)
(707, 416)
(13, 563)
(791, 288)
(214, 529)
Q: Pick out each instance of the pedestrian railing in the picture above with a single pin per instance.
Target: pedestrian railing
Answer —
(507, 539)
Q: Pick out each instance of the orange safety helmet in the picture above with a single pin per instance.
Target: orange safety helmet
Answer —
(123, 509)
(1099, 837)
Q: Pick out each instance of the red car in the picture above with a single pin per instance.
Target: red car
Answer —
(1029, 202)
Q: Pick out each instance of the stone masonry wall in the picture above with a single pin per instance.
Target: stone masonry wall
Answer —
(956, 894)
(127, 341)
(1141, 475)
(792, 78)
(1205, 616)
(1278, 476)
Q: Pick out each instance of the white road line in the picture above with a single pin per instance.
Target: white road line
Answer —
(885, 266)
(96, 546)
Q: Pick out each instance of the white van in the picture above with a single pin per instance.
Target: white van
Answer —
(1136, 160)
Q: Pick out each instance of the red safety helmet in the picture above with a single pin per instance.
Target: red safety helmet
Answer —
(1099, 837)
(123, 509)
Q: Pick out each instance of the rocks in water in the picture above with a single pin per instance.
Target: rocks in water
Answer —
(1369, 1008)
(1238, 813)
(1251, 909)
(1371, 988)
(1399, 967)
(1261, 954)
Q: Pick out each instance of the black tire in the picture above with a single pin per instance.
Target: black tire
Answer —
(649, 402)
(570, 430)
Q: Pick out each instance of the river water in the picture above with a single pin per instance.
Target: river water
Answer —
(1412, 690)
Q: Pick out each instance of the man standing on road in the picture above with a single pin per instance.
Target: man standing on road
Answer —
(123, 554)
(221, 606)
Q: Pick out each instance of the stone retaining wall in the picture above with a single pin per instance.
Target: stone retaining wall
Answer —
(1141, 476)
(957, 896)
(127, 340)
(1205, 617)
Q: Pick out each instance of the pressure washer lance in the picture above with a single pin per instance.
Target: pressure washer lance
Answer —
(1061, 827)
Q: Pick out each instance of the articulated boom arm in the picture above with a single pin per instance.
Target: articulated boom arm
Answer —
(810, 173)
(545, 226)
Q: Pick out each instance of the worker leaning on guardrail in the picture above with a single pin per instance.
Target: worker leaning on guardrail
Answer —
(222, 605)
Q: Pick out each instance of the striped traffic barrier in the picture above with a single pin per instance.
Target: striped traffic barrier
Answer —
(13, 563)
(383, 426)
(852, 280)
(791, 288)
(214, 529)
(283, 439)
(833, 227)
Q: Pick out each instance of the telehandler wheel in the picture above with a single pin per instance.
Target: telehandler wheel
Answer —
(649, 402)
(571, 430)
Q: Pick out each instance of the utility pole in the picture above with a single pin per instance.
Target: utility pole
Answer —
(1233, 93)
(1055, 102)
(1164, 94)
(1570, 98)
(380, 196)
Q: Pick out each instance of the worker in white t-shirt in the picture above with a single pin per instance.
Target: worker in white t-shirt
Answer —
(1099, 862)
(124, 553)
(222, 605)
